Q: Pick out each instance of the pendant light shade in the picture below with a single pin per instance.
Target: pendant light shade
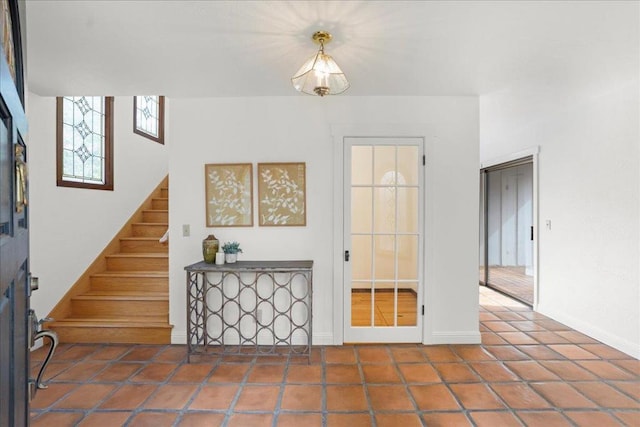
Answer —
(320, 75)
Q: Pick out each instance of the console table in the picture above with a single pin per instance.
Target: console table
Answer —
(250, 308)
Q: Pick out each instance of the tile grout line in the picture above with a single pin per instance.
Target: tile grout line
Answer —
(507, 408)
(363, 382)
(131, 375)
(203, 384)
(404, 382)
(85, 412)
(553, 407)
(283, 381)
(463, 409)
(324, 417)
(140, 408)
(158, 384)
(241, 385)
(528, 382)
(573, 361)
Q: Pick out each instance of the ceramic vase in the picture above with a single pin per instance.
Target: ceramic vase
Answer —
(210, 248)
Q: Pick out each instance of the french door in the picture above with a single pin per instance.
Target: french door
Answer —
(383, 239)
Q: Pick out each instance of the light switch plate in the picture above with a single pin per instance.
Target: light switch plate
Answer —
(186, 230)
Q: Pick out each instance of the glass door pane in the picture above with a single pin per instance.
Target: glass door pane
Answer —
(384, 235)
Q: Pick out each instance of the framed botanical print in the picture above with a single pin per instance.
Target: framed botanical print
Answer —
(282, 194)
(229, 194)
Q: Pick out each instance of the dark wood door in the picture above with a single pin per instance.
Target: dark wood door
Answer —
(14, 228)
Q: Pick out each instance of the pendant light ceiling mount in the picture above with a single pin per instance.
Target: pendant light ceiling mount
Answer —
(321, 37)
(320, 75)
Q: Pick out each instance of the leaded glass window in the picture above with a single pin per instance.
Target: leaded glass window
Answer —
(7, 38)
(85, 142)
(11, 43)
(148, 117)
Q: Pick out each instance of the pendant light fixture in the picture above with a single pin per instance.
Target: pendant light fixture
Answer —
(320, 75)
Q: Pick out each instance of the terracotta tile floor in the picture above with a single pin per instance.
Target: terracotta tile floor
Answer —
(530, 370)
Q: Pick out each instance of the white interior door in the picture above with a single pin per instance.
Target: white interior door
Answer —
(383, 239)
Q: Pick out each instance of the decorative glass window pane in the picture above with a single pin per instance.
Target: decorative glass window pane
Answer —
(148, 117)
(84, 142)
(7, 38)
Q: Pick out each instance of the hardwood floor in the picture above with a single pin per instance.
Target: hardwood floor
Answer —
(383, 307)
(512, 281)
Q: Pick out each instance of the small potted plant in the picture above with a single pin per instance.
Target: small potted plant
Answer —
(231, 250)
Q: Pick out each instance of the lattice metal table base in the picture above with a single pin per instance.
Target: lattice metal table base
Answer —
(250, 308)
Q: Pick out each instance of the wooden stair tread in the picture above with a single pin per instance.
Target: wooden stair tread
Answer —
(106, 322)
(139, 255)
(156, 210)
(140, 238)
(117, 274)
(155, 224)
(123, 295)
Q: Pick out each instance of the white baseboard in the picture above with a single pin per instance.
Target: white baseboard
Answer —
(319, 338)
(624, 345)
(178, 338)
(323, 338)
(455, 337)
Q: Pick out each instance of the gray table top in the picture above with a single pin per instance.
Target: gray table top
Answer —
(251, 266)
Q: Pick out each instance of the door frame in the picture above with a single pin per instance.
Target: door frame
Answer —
(338, 133)
(533, 153)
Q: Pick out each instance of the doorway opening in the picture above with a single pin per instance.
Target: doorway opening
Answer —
(507, 229)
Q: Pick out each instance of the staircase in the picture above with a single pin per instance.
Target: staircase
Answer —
(123, 297)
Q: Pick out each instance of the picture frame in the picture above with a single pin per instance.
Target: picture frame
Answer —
(229, 194)
(282, 194)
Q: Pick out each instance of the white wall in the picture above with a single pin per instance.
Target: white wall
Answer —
(69, 227)
(267, 129)
(589, 189)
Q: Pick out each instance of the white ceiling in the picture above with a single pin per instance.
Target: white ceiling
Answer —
(251, 48)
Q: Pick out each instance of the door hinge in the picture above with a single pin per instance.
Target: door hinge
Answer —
(423, 309)
(346, 256)
(424, 160)
(532, 232)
